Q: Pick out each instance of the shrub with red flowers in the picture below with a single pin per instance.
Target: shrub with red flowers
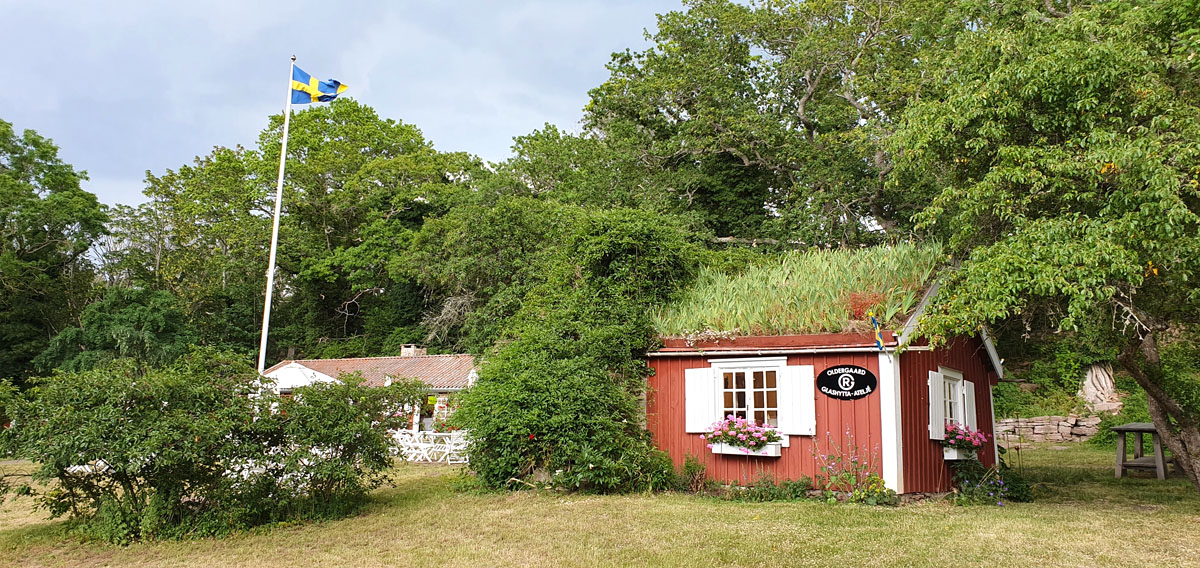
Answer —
(963, 437)
(443, 425)
(740, 432)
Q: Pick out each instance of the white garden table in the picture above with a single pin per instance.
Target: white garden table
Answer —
(435, 447)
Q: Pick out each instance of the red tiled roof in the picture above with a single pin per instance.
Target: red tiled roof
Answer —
(437, 371)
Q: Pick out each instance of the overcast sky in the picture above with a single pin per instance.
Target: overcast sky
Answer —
(150, 85)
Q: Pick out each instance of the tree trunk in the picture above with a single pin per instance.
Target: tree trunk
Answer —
(1182, 438)
(1179, 429)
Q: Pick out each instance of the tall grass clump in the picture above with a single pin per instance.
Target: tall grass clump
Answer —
(811, 291)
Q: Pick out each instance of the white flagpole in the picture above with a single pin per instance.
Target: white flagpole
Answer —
(266, 324)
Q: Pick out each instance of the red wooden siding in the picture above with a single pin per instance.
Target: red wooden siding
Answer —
(925, 471)
(835, 418)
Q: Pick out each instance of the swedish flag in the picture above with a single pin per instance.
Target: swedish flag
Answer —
(878, 335)
(307, 90)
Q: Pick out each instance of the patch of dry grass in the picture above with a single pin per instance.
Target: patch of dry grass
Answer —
(19, 511)
(1084, 519)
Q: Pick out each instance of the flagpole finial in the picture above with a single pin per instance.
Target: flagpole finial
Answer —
(293, 58)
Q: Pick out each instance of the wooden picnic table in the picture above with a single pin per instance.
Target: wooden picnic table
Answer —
(1139, 429)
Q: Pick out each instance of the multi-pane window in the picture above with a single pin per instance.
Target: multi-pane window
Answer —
(953, 398)
(753, 394)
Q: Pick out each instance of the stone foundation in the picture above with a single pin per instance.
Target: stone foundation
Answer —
(1048, 428)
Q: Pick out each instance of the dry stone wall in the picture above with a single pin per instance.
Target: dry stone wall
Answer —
(1071, 428)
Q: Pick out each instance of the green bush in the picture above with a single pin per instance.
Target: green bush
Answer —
(198, 448)
(763, 488)
(337, 437)
(873, 491)
(1134, 409)
(794, 489)
(692, 474)
(1056, 365)
(1013, 402)
(115, 439)
(850, 470)
(559, 400)
(976, 484)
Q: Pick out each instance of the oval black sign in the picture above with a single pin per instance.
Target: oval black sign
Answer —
(847, 382)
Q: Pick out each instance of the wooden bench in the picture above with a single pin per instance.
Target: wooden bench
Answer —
(1139, 429)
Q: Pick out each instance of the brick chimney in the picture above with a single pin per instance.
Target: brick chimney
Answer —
(411, 350)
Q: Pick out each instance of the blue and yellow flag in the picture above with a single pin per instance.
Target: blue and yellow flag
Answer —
(878, 334)
(307, 90)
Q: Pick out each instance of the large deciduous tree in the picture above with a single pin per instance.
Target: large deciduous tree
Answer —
(47, 224)
(776, 112)
(479, 260)
(201, 237)
(357, 188)
(144, 325)
(1065, 146)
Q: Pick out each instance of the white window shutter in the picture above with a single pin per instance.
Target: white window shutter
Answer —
(937, 407)
(699, 400)
(797, 401)
(808, 401)
(969, 404)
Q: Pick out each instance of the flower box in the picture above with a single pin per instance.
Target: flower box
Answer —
(961, 442)
(771, 450)
(952, 454)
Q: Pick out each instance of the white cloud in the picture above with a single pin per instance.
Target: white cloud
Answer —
(113, 191)
(142, 85)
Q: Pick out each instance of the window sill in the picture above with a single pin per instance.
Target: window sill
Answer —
(771, 450)
(955, 454)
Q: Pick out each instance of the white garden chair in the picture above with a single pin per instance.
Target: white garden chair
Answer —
(423, 448)
(409, 447)
(457, 447)
(439, 446)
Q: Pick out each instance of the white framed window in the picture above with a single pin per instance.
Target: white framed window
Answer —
(752, 394)
(764, 389)
(951, 399)
(952, 386)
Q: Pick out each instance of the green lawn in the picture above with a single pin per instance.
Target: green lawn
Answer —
(1084, 518)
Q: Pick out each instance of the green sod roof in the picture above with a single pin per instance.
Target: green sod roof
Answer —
(794, 293)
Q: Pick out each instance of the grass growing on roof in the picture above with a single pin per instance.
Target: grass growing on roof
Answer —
(816, 291)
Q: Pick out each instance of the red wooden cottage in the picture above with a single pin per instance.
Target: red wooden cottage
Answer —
(826, 393)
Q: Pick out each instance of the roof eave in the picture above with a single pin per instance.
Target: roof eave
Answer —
(910, 330)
